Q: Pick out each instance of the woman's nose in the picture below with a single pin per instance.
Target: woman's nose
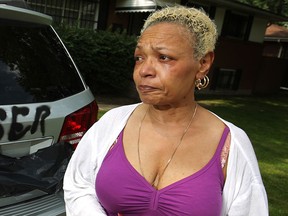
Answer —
(147, 68)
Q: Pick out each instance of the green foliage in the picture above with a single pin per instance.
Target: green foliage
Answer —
(276, 6)
(104, 58)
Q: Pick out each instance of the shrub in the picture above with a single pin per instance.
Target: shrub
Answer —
(104, 58)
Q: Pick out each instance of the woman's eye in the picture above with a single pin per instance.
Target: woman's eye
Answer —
(164, 58)
(137, 58)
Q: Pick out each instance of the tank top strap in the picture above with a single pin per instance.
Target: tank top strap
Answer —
(224, 146)
(222, 141)
(224, 137)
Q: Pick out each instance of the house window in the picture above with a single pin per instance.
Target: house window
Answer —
(236, 25)
(226, 79)
(73, 12)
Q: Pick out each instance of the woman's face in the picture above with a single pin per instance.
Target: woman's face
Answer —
(165, 68)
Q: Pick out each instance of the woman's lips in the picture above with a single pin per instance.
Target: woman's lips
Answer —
(146, 88)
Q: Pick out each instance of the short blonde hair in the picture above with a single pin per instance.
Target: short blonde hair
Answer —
(202, 28)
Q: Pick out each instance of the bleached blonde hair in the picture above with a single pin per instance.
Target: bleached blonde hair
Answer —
(202, 29)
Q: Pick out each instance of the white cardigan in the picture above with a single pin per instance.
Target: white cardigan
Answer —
(244, 193)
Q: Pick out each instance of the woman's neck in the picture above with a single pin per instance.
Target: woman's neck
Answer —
(171, 115)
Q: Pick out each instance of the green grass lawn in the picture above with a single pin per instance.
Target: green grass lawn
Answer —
(265, 120)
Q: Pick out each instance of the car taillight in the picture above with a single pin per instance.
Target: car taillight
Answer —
(77, 123)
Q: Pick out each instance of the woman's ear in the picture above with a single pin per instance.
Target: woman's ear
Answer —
(205, 65)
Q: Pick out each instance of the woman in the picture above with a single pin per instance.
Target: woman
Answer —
(166, 155)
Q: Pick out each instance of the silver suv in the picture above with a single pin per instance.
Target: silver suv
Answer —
(45, 106)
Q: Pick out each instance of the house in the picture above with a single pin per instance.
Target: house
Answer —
(276, 41)
(239, 67)
(276, 49)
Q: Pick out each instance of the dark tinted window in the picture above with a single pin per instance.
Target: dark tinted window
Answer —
(236, 25)
(34, 66)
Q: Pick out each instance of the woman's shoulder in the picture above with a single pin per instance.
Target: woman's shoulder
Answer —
(239, 138)
(113, 120)
(236, 131)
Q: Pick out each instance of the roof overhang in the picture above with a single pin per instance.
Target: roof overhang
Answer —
(128, 6)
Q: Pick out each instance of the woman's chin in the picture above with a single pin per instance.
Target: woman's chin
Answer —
(154, 102)
(150, 101)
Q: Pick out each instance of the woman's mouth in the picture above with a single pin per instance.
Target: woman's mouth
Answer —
(146, 88)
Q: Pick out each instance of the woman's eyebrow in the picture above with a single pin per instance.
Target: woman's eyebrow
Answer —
(155, 48)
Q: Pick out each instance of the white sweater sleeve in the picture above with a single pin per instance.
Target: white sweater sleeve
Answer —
(244, 193)
(79, 180)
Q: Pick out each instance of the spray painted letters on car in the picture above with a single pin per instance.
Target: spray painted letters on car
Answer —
(17, 130)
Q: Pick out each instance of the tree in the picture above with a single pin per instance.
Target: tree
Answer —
(276, 6)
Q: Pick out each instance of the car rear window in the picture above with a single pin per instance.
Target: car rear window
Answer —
(34, 66)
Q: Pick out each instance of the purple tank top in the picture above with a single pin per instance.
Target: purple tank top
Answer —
(121, 189)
